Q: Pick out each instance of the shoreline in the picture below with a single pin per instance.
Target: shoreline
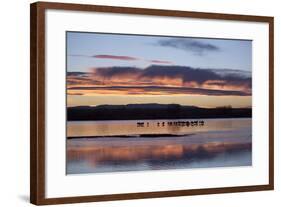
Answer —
(132, 136)
(140, 120)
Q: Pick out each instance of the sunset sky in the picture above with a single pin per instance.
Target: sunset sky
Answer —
(124, 69)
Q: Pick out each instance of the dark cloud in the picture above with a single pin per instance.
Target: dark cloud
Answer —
(116, 71)
(166, 79)
(80, 78)
(189, 45)
(185, 73)
(161, 61)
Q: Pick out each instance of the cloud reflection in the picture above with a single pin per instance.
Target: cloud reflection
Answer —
(99, 155)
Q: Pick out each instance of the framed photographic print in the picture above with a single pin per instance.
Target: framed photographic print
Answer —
(130, 103)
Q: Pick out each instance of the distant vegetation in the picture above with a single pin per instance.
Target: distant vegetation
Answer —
(152, 111)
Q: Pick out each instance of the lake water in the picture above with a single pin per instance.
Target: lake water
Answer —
(114, 146)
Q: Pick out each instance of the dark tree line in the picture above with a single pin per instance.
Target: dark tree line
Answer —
(152, 111)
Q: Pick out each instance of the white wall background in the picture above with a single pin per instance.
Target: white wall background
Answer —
(14, 102)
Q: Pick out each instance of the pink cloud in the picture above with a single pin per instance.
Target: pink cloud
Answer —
(116, 57)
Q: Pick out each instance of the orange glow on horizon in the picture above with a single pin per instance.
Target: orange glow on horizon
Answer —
(188, 100)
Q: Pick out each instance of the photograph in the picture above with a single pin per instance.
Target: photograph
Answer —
(144, 102)
(138, 102)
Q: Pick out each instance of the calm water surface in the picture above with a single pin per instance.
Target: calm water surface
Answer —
(111, 146)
